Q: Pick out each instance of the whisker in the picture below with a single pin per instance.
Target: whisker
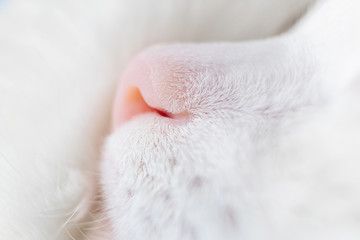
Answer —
(2, 157)
(67, 231)
(63, 226)
(82, 233)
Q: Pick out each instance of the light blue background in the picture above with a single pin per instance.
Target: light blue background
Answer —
(2, 2)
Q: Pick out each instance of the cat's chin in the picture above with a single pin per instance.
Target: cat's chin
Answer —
(136, 156)
(151, 165)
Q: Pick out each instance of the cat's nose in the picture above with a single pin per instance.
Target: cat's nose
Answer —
(176, 81)
(143, 88)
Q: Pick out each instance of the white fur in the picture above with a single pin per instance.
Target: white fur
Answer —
(257, 159)
(59, 61)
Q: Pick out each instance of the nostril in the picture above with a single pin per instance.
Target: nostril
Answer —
(164, 114)
(134, 97)
(132, 105)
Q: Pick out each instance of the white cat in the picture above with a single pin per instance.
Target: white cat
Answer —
(260, 139)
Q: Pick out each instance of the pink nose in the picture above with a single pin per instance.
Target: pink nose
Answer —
(135, 94)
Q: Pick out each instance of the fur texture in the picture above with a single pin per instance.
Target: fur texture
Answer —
(252, 161)
(59, 63)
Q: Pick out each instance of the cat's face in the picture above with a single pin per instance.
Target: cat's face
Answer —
(205, 168)
(238, 154)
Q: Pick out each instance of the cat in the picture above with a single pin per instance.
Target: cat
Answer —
(256, 165)
(231, 140)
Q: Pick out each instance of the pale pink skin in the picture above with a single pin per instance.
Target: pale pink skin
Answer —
(127, 104)
(136, 93)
